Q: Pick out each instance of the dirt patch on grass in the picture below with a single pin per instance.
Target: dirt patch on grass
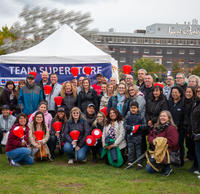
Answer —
(72, 185)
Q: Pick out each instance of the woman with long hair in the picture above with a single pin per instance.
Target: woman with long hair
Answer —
(114, 130)
(56, 139)
(21, 84)
(68, 92)
(43, 106)
(136, 95)
(38, 124)
(106, 96)
(120, 101)
(8, 96)
(87, 96)
(99, 123)
(76, 123)
(164, 127)
(17, 147)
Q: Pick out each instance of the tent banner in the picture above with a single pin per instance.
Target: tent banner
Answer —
(20, 71)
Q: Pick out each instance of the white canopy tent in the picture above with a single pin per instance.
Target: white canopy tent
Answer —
(64, 46)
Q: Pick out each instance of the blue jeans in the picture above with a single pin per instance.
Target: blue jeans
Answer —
(197, 151)
(81, 154)
(149, 169)
(165, 169)
(21, 155)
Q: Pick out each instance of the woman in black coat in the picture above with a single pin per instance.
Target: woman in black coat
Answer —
(195, 121)
(176, 108)
(154, 105)
(87, 96)
(9, 96)
(187, 127)
(76, 122)
(69, 97)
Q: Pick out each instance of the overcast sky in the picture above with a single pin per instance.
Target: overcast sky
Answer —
(122, 15)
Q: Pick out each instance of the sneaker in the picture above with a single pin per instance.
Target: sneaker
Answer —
(71, 161)
(129, 163)
(139, 167)
(168, 172)
(198, 177)
(13, 163)
(84, 160)
(197, 172)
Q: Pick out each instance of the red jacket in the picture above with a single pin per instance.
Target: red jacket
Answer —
(170, 133)
(97, 88)
(14, 141)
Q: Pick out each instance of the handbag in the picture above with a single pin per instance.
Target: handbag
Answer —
(41, 153)
(175, 158)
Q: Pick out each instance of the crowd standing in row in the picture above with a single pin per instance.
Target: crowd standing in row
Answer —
(126, 113)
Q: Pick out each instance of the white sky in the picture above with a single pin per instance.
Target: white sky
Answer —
(122, 15)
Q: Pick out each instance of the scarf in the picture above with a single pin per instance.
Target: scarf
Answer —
(68, 93)
(120, 103)
(162, 127)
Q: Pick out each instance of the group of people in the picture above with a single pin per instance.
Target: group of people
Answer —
(126, 112)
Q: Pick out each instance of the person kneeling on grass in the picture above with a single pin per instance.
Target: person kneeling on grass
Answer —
(163, 139)
(134, 124)
(38, 136)
(17, 145)
(76, 123)
(113, 138)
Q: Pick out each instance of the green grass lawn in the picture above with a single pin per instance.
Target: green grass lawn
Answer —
(58, 177)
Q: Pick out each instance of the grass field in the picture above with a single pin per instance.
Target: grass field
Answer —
(58, 177)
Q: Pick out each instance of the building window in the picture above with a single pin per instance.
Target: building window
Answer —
(181, 61)
(146, 51)
(157, 41)
(134, 40)
(169, 42)
(191, 52)
(112, 50)
(169, 61)
(135, 51)
(122, 60)
(169, 52)
(122, 50)
(181, 52)
(191, 61)
(158, 51)
(146, 41)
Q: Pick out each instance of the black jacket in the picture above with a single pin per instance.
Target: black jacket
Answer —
(85, 99)
(154, 107)
(5, 99)
(81, 126)
(134, 119)
(69, 101)
(90, 119)
(146, 91)
(177, 111)
(195, 117)
(42, 87)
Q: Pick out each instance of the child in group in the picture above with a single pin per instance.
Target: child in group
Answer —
(134, 125)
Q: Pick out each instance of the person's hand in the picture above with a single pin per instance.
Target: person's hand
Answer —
(110, 147)
(38, 146)
(23, 143)
(77, 148)
(74, 143)
(150, 123)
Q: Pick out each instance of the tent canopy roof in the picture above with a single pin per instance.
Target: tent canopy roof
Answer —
(64, 46)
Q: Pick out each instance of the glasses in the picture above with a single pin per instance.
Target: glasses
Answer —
(179, 78)
(122, 88)
(39, 117)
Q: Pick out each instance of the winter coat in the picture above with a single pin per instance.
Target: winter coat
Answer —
(132, 120)
(195, 117)
(69, 101)
(81, 126)
(119, 134)
(90, 119)
(6, 123)
(50, 98)
(29, 98)
(112, 103)
(5, 99)
(14, 141)
(146, 91)
(47, 118)
(104, 101)
(141, 102)
(188, 104)
(170, 132)
(42, 87)
(85, 99)
(177, 111)
(33, 141)
(154, 107)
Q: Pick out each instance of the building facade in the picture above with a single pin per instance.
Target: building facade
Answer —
(157, 42)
